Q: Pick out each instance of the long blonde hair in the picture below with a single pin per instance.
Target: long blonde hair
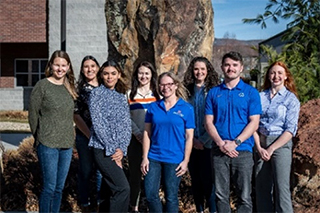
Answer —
(181, 91)
(69, 81)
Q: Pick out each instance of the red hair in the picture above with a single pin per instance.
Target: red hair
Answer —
(288, 83)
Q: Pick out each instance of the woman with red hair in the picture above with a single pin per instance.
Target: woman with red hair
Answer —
(278, 124)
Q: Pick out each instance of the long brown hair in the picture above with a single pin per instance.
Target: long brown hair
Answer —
(153, 82)
(69, 80)
(288, 83)
(121, 86)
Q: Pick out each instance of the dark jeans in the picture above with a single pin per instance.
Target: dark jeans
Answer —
(200, 168)
(116, 180)
(273, 178)
(55, 164)
(171, 186)
(86, 168)
(134, 157)
(241, 169)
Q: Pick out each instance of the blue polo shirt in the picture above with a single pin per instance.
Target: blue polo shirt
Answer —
(231, 109)
(168, 130)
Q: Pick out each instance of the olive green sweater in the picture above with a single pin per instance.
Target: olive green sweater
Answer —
(51, 115)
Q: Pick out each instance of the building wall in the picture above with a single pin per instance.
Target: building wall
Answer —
(14, 98)
(86, 30)
(22, 21)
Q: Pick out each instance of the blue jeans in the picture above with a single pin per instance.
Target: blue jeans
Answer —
(54, 163)
(200, 168)
(241, 169)
(273, 178)
(171, 186)
(86, 167)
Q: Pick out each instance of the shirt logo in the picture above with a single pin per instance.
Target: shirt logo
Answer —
(241, 94)
(178, 113)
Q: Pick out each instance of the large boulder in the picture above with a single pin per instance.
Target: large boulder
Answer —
(306, 159)
(168, 33)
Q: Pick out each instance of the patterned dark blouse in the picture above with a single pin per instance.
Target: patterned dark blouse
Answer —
(81, 104)
(111, 123)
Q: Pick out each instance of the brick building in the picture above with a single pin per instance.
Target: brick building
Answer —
(32, 30)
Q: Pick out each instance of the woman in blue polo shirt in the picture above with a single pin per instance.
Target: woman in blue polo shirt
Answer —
(167, 143)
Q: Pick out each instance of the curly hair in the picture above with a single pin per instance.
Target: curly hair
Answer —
(211, 80)
(288, 83)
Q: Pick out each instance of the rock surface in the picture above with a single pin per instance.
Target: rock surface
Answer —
(168, 33)
(306, 159)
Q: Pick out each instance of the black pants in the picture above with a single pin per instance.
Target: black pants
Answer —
(118, 189)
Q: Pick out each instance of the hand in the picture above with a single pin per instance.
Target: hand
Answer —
(182, 168)
(270, 151)
(145, 166)
(117, 157)
(230, 149)
(264, 154)
(197, 144)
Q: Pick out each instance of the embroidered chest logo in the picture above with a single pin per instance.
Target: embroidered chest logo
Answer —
(178, 113)
(241, 94)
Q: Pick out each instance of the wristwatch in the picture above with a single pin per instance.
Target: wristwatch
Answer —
(237, 141)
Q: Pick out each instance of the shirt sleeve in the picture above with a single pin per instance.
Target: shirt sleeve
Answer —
(190, 122)
(255, 103)
(148, 118)
(124, 127)
(34, 109)
(292, 116)
(209, 104)
(95, 104)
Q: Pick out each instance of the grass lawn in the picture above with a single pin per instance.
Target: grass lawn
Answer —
(14, 116)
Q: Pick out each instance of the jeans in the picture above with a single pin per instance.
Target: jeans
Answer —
(200, 168)
(118, 189)
(86, 167)
(54, 163)
(274, 174)
(134, 158)
(171, 186)
(241, 169)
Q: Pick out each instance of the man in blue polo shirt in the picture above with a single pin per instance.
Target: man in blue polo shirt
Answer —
(233, 111)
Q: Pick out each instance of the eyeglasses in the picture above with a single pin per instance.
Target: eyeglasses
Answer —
(167, 85)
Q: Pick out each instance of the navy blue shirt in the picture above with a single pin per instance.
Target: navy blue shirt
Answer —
(168, 130)
(231, 109)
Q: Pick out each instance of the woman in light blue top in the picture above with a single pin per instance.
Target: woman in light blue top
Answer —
(278, 124)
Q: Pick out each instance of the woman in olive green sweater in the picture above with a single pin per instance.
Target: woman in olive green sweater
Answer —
(51, 122)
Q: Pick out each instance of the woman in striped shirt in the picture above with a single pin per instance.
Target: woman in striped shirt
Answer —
(143, 92)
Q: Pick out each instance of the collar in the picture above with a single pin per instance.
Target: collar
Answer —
(239, 86)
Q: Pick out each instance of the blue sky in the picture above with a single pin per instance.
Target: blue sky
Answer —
(228, 15)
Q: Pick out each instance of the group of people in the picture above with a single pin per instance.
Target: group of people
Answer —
(166, 127)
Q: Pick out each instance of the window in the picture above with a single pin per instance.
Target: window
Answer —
(29, 71)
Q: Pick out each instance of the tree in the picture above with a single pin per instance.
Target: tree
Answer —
(302, 49)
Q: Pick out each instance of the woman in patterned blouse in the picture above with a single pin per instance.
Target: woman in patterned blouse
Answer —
(88, 80)
(111, 133)
(278, 124)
